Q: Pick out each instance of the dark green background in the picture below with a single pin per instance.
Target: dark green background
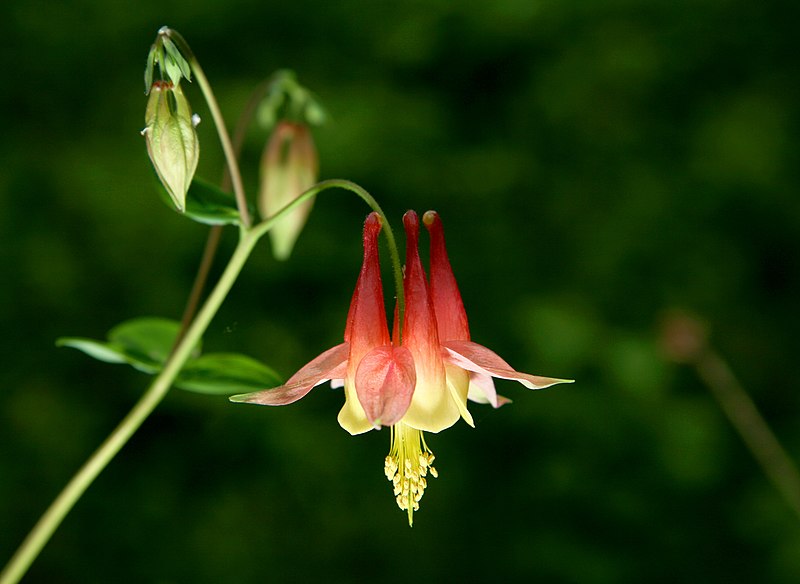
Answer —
(595, 163)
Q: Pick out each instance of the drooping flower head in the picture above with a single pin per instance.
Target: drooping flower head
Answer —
(417, 380)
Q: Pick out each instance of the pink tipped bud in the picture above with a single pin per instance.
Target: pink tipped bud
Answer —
(171, 139)
(289, 167)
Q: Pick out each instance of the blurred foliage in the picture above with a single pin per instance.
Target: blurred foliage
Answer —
(594, 164)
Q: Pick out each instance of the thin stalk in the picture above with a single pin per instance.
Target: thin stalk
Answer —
(52, 518)
(219, 122)
(397, 267)
(685, 339)
(751, 425)
(215, 232)
(209, 251)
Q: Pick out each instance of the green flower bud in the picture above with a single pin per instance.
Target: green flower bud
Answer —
(289, 167)
(171, 139)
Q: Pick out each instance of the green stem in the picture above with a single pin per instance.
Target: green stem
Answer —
(219, 122)
(196, 294)
(215, 233)
(397, 267)
(55, 514)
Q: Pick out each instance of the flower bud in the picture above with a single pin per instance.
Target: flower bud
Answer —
(289, 167)
(171, 139)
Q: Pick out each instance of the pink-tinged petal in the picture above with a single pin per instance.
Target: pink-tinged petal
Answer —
(481, 388)
(329, 365)
(477, 358)
(385, 382)
(432, 407)
(451, 318)
(482, 391)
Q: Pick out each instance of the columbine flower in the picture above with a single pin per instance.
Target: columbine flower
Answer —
(171, 139)
(289, 167)
(417, 381)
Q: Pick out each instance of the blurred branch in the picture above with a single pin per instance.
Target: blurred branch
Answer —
(685, 340)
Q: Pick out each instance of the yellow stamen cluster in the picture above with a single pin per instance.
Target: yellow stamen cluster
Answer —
(409, 462)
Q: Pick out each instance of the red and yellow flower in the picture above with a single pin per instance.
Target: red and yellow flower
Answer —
(417, 381)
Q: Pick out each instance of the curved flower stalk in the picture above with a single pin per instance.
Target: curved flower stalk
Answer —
(417, 381)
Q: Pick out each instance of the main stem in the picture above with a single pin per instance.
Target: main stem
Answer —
(52, 518)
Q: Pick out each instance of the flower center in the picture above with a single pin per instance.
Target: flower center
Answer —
(408, 463)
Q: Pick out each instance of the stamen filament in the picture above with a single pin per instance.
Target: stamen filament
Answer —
(408, 463)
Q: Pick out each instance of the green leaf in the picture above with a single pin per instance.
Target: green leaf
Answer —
(226, 373)
(145, 343)
(97, 349)
(205, 203)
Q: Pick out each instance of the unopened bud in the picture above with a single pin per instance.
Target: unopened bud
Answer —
(171, 139)
(289, 167)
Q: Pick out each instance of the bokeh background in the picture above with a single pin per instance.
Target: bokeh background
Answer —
(595, 164)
